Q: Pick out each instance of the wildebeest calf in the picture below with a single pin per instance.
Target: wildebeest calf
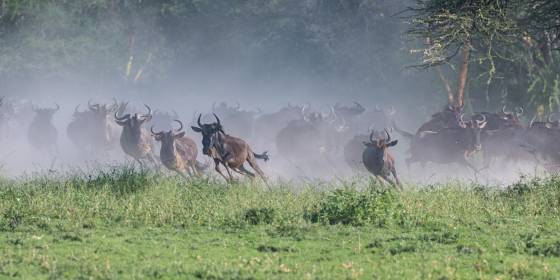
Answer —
(378, 160)
(178, 153)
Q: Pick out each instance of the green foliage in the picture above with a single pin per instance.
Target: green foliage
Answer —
(88, 226)
(349, 207)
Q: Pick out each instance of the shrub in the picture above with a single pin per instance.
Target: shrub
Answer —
(351, 207)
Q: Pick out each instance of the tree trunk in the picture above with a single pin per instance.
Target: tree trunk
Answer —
(465, 55)
(450, 97)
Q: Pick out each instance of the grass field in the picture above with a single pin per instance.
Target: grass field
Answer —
(125, 224)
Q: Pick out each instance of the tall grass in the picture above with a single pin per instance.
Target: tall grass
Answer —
(129, 197)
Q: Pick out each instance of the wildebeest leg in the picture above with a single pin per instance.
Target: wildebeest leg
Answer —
(255, 166)
(398, 183)
(247, 172)
(217, 168)
(228, 170)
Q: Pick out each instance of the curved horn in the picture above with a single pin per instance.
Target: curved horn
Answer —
(532, 121)
(461, 118)
(519, 111)
(371, 139)
(120, 119)
(180, 125)
(388, 136)
(57, 107)
(152, 130)
(483, 119)
(217, 119)
(198, 121)
(149, 110)
(76, 109)
(238, 106)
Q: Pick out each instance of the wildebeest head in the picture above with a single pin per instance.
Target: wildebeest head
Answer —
(209, 133)
(476, 124)
(135, 121)
(167, 138)
(45, 114)
(379, 141)
(510, 119)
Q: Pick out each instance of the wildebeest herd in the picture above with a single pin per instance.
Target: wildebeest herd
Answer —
(306, 139)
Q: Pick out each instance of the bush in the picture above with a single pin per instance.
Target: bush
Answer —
(351, 207)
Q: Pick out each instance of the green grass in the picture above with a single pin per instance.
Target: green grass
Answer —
(119, 224)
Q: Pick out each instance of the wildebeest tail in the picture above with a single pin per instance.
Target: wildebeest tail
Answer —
(409, 136)
(263, 156)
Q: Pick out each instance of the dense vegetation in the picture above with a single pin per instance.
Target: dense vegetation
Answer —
(124, 223)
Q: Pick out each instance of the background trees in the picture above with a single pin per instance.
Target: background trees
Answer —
(493, 52)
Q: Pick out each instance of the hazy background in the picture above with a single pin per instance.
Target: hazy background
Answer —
(186, 55)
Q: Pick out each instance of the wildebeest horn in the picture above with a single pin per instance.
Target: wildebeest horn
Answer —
(481, 121)
(519, 111)
(57, 107)
(532, 121)
(76, 109)
(238, 106)
(388, 136)
(504, 111)
(152, 130)
(198, 121)
(149, 114)
(217, 119)
(121, 118)
(371, 139)
(180, 125)
(377, 108)
(461, 118)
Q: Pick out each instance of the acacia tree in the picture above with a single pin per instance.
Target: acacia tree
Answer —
(455, 33)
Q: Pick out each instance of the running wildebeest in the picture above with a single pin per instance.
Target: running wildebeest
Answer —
(178, 153)
(42, 133)
(135, 140)
(93, 130)
(377, 159)
(229, 151)
(448, 145)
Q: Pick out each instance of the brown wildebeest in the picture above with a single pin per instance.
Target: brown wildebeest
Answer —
(378, 160)
(178, 153)
(229, 151)
(135, 140)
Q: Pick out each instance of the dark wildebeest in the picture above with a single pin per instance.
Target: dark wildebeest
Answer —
(315, 134)
(499, 134)
(135, 140)
(268, 125)
(42, 133)
(93, 130)
(227, 150)
(178, 153)
(377, 159)
(448, 145)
